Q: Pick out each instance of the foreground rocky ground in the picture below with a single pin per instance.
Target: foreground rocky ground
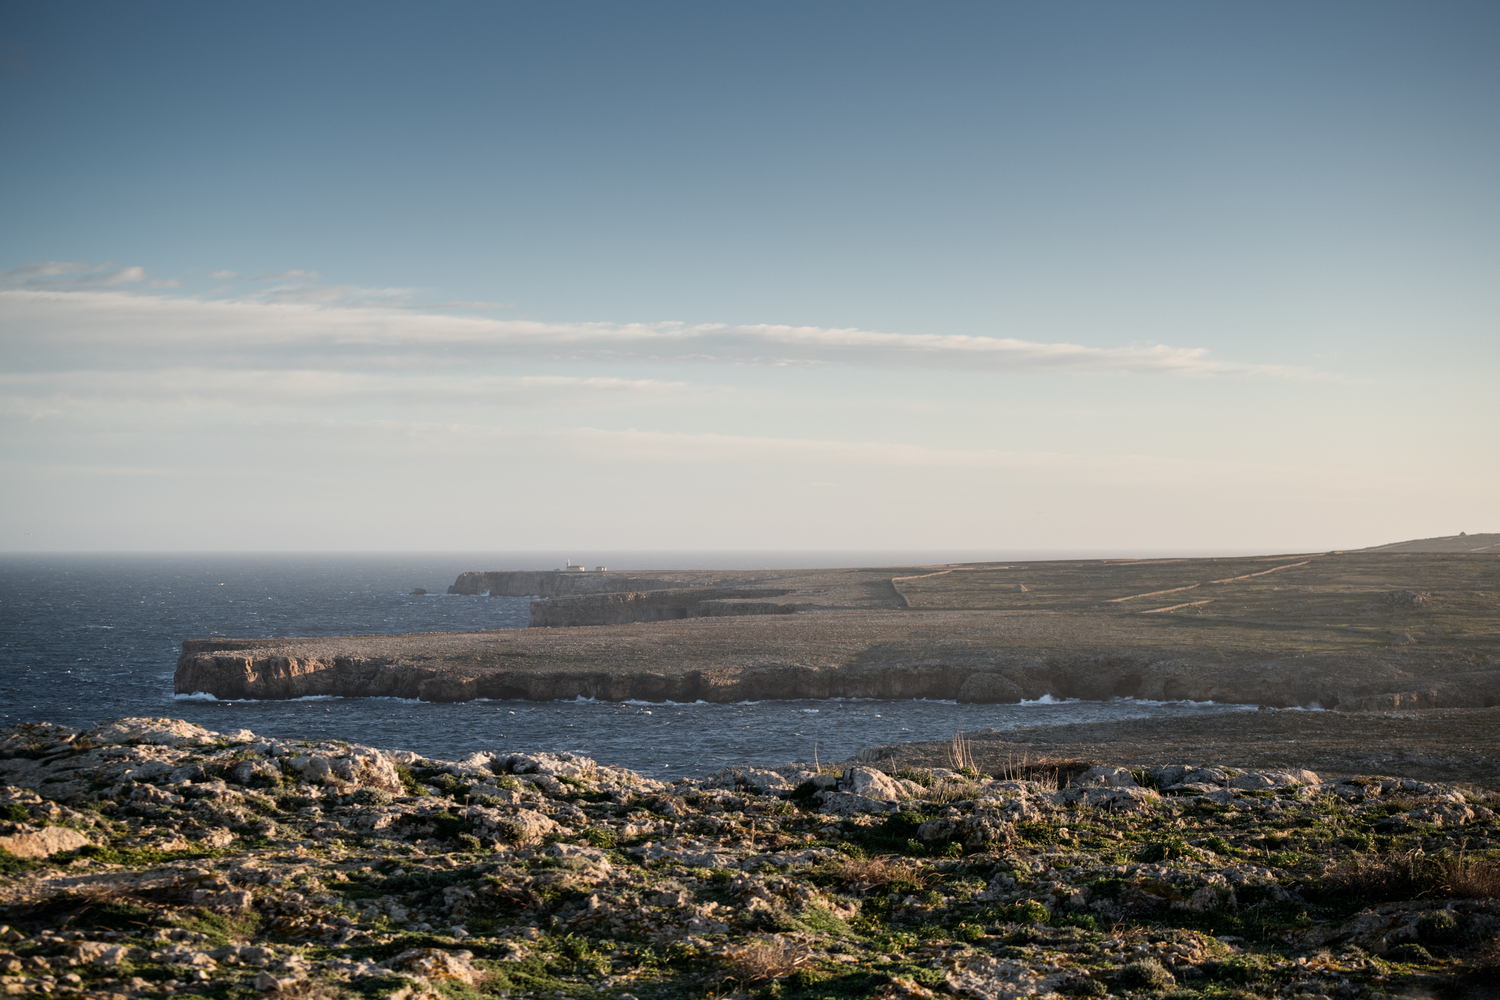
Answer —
(152, 858)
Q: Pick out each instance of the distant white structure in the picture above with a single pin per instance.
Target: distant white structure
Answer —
(601, 569)
(570, 568)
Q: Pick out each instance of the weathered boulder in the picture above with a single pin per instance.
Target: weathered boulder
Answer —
(849, 804)
(871, 784)
(520, 827)
(750, 778)
(558, 765)
(1132, 799)
(27, 841)
(984, 977)
(358, 767)
(163, 732)
(436, 964)
(974, 831)
(1107, 776)
(104, 954)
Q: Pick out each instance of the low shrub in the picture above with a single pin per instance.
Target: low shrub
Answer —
(1146, 974)
(1409, 874)
(764, 961)
(1414, 954)
(1438, 927)
(409, 780)
(1163, 849)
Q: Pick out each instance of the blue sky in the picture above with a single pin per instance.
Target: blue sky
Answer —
(1000, 277)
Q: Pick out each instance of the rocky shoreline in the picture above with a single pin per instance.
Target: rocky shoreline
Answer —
(152, 858)
(961, 656)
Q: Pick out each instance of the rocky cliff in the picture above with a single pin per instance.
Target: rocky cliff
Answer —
(1347, 630)
(938, 655)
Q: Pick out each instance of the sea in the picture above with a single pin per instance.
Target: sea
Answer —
(85, 639)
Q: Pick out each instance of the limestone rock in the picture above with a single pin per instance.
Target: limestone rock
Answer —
(559, 765)
(1107, 776)
(871, 784)
(939, 829)
(1132, 799)
(265, 982)
(524, 826)
(243, 954)
(218, 837)
(163, 732)
(985, 829)
(225, 901)
(987, 978)
(436, 964)
(849, 804)
(29, 842)
(359, 767)
(103, 954)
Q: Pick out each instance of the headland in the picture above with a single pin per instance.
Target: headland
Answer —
(1410, 626)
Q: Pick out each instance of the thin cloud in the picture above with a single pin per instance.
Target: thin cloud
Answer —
(224, 275)
(43, 395)
(309, 321)
(289, 276)
(75, 275)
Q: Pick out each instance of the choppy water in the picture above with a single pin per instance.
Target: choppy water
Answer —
(84, 639)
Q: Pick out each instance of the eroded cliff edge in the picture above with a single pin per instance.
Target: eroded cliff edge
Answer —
(827, 655)
(1350, 631)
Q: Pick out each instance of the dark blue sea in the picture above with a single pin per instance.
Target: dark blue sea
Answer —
(89, 638)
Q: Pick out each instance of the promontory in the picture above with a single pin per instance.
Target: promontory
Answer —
(1407, 625)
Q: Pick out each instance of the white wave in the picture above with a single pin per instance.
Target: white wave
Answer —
(195, 696)
(1227, 706)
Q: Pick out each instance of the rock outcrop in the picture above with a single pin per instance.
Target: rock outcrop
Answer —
(227, 864)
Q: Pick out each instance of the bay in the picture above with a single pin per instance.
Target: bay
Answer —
(90, 638)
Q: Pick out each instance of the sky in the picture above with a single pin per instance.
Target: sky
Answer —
(992, 277)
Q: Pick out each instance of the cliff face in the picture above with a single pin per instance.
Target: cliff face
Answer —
(241, 673)
(803, 656)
